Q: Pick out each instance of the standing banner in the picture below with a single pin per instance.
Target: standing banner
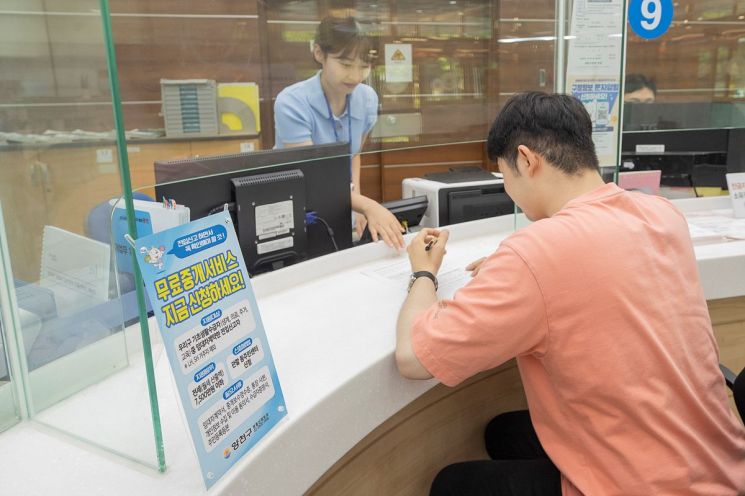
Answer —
(198, 286)
(594, 69)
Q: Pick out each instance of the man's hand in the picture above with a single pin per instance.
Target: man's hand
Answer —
(423, 258)
(475, 266)
(422, 295)
(384, 225)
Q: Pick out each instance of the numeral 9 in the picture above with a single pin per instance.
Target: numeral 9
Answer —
(652, 14)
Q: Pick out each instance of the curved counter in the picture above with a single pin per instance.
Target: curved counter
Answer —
(354, 425)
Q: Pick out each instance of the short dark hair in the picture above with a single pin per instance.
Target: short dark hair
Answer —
(345, 36)
(636, 82)
(556, 126)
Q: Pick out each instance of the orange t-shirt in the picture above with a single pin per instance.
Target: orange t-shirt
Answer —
(602, 306)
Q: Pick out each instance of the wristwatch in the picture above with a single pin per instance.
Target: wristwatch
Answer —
(422, 273)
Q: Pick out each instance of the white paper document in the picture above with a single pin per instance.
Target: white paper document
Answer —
(715, 227)
(451, 277)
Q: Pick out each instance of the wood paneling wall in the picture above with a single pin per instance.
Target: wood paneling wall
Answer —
(416, 162)
(64, 62)
(443, 426)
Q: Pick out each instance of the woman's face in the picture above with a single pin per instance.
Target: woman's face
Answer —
(342, 75)
(642, 95)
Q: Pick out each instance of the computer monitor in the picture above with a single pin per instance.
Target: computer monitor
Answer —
(677, 153)
(682, 115)
(270, 191)
(666, 115)
(270, 218)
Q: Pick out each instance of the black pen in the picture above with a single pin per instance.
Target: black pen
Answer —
(430, 244)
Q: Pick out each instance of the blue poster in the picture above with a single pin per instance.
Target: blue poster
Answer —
(199, 289)
(599, 97)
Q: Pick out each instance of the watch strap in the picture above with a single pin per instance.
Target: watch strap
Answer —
(423, 273)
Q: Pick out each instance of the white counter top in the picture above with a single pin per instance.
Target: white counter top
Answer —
(333, 349)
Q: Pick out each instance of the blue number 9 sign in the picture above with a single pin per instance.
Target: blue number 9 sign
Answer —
(650, 18)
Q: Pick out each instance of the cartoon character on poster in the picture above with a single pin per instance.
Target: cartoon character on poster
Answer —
(154, 256)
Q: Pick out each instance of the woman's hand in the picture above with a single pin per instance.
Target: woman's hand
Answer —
(383, 225)
(359, 224)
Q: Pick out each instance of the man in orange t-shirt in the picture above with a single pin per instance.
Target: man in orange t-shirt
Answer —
(600, 301)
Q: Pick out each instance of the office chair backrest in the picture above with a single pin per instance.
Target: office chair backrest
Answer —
(98, 227)
(738, 391)
(98, 221)
(737, 384)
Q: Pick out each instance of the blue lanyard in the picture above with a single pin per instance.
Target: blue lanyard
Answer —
(333, 122)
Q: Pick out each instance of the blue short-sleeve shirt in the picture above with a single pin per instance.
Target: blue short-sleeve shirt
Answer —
(301, 114)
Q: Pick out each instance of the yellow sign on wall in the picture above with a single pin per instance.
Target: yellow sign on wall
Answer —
(238, 108)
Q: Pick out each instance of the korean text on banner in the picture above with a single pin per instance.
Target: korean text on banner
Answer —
(206, 310)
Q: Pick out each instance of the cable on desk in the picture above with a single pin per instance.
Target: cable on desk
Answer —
(312, 217)
(221, 208)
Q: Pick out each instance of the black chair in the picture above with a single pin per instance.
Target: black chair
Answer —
(737, 384)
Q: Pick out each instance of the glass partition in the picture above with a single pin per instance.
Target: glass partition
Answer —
(437, 78)
(9, 405)
(59, 169)
(697, 69)
(455, 63)
(200, 80)
(685, 93)
(442, 71)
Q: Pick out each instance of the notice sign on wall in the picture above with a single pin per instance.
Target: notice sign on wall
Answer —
(398, 63)
(594, 67)
(199, 289)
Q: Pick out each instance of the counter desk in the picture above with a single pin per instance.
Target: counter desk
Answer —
(354, 426)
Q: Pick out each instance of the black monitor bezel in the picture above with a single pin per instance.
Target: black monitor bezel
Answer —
(328, 177)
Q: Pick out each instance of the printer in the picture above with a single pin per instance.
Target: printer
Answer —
(459, 195)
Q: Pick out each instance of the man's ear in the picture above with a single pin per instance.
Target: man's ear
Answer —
(528, 161)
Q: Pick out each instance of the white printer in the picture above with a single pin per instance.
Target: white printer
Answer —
(459, 196)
